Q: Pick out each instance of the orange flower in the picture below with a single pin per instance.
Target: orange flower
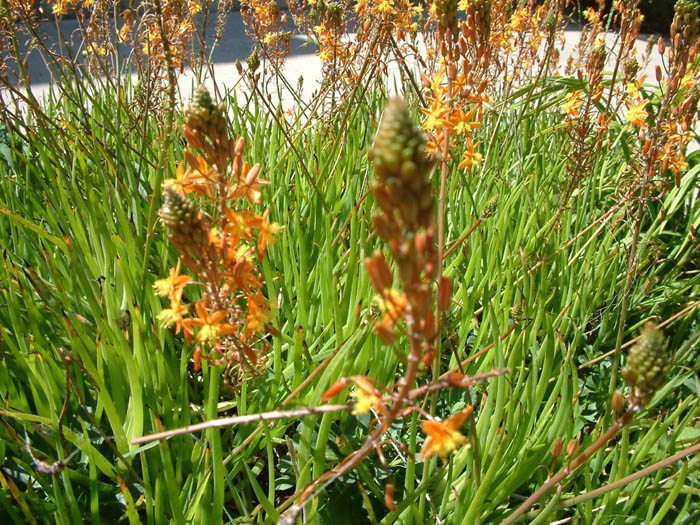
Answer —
(192, 179)
(210, 325)
(249, 187)
(258, 315)
(176, 315)
(463, 123)
(573, 104)
(237, 226)
(366, 397)
(394, 303)
(636, 115)
(443, 436)
(266, 231)
(173, 285)
(470, 158)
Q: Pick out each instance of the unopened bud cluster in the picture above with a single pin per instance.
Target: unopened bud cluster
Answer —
(550, 23)
(404, 193)
(648, 362)
(204, 117)
(402, 168)
(446, 13)
(332, 12)
(180, 215)
(684, 36)
(490, 207)
(253, 61)
(631, 69)
(685, 21)
(478, 20)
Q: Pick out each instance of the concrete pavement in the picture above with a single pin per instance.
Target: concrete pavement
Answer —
(236, 46)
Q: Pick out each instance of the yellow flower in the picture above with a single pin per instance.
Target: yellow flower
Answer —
(573, 104)
(632, 89)
(443, 436)
(688, 81)
(385, 7)
(366, 397)
(394, 303)
(259, 314)
(636, 115)
(210, 325)
(59, 7)
(470, 158)
(172, 315)
(173, 285)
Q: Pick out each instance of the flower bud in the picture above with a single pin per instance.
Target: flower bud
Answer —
(444, 294)
(557, 448)
(647, 361)
(253, 61)
(490, 207)
(179, 213)
(402, 167)
(204, 116)
(618, 403)
(379, 272)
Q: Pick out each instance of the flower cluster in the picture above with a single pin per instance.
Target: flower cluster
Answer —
(403, 191)
(167, 30)
(219, 241)
(266, 24)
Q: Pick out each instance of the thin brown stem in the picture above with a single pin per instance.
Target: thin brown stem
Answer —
(573, 465)
(241, 420)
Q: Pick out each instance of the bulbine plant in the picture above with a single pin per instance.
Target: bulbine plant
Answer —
(220, 242)
(405, 222)
(425, 304)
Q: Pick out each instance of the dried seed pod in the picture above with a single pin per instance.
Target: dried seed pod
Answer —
(444, 295)
(647, 361)
(389, 496)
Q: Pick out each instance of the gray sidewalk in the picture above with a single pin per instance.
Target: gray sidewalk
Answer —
(236, 46)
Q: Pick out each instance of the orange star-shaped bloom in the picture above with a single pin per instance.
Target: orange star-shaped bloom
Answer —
(194, 179)
(210, 325)
(266, 231)
(249, 186)
(258, 315)
(366, 397)
(237, 226)
(173, 285)
(176, 315)
(573, 104)
(470, 158)
(443, 436)
(636, 115)
(464, 122)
